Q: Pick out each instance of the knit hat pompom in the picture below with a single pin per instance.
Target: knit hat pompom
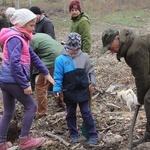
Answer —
(74, 41)
(10, 11)
(75, 4)
(20, 17)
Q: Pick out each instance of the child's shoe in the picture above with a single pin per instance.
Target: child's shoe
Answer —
(29, 142)
(92, 141)
(74, 139)
(5, 145)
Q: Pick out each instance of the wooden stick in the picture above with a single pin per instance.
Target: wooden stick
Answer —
(13, 148)
(76, 146)
(59, 114)
(63, 118)
(95, 96)
(108, 128)
(110, 104)
(58, 138)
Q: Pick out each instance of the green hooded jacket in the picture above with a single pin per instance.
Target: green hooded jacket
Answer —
(136, 51)
(46, 48)
(81, 25)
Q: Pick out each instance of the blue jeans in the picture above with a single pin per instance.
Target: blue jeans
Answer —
(11, 92)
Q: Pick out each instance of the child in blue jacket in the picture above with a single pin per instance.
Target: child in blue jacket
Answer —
(74, 75)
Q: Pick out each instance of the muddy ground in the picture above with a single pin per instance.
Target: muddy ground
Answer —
(112, 120)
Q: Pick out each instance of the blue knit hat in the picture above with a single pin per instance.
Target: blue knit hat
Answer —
(74, 41)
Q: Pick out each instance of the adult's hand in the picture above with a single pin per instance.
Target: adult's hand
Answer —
(49, 78)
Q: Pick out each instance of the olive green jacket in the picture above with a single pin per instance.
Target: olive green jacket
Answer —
(46, 48)
(81, 25)
(136, 51)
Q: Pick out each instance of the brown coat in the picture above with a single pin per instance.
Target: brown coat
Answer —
(136, 51)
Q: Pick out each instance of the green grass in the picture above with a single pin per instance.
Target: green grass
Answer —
(136, 18)
(63, 22)
(98, 12)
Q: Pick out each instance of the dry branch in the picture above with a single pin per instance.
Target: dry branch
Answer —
(63, 118)
(13, 148)
(59, 114)
(76, 146)
(110, 104)
(108, 128)
(58, 138)
(95, 96)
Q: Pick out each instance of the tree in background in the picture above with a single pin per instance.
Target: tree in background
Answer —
(15, 3)
(4, 2)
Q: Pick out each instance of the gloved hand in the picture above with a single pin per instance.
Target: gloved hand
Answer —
(49, 78)
(140, 99)
(139, 104)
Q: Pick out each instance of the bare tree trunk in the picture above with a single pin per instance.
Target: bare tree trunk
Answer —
(29, 3)
(64, 6)
(17, 4)
(121, 2)
(4, 2)
(82, 7)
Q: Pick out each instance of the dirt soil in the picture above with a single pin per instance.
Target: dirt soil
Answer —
(112, 120)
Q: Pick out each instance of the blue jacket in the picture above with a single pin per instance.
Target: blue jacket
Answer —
(73, 74)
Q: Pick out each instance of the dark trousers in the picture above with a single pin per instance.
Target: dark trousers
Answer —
(147, 111)
(86, 116)
(11, 92)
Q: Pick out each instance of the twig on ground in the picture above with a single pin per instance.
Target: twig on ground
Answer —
(110, 104)
(58, 138)
(63, 118)
(76, 146)
(59, 114)
(107, 128)
(95, 96)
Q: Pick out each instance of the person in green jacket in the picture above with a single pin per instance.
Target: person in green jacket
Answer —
(81, 25)
(135, 49)
(47, 49)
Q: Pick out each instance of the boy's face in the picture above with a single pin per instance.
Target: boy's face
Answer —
(73, 52)
(75, 12)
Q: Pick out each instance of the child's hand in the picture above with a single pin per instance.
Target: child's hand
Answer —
(28, 90)
(59, 99)
(49, 78)
(56, 96)
(91, 88)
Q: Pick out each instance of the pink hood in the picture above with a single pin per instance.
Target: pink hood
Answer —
(6, 33)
